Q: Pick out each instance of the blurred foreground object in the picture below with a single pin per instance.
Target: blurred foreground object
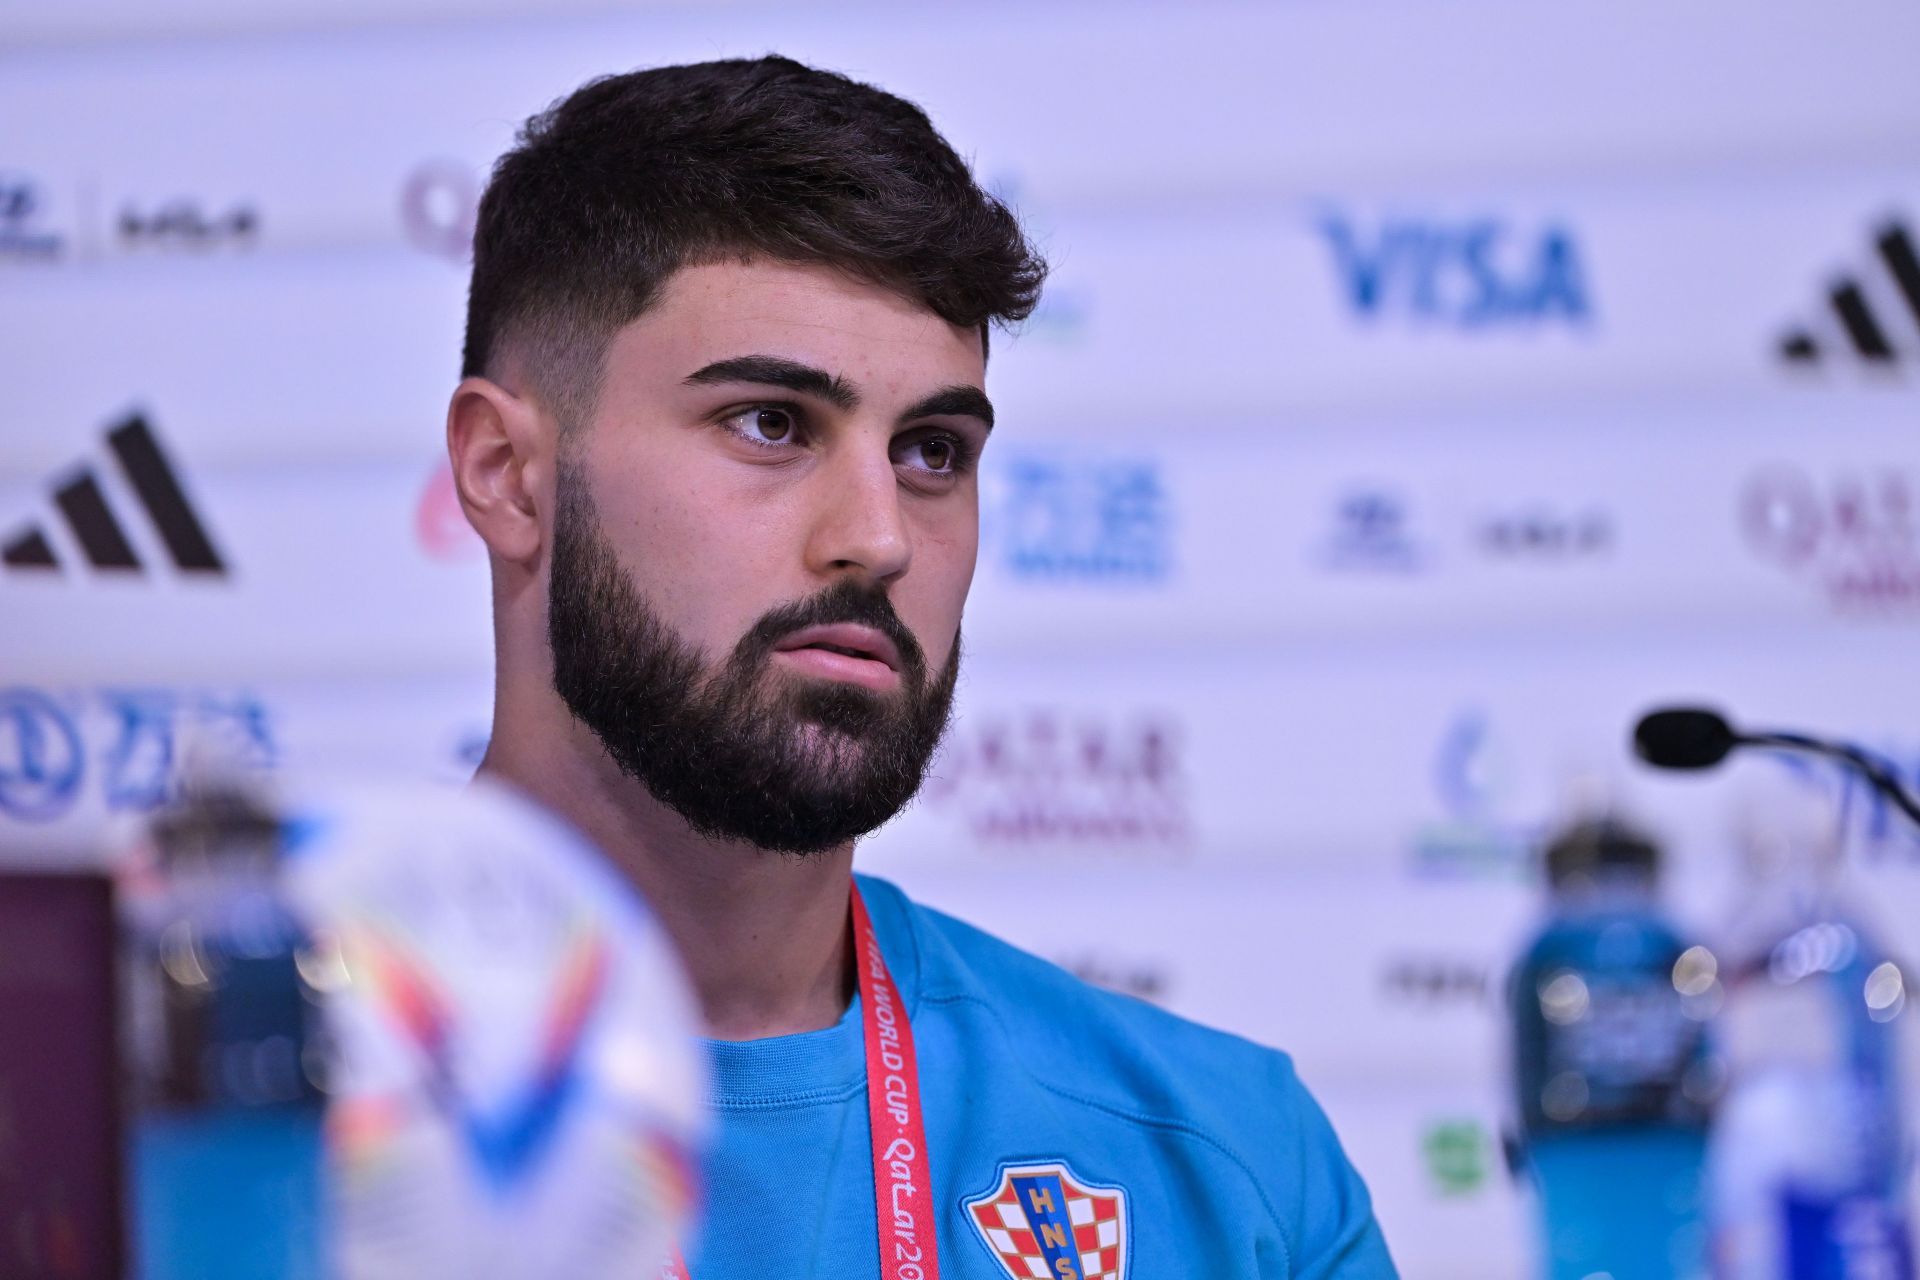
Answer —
(61, 1182)
(517, 1091)
(408, 1032)
(1611, 1068)
(1810, 1158)
(226, 1038)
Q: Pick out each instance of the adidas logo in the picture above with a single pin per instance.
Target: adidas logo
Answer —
(97, 533)
(1877, 311)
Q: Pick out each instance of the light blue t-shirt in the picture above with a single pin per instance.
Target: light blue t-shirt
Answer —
(1157, 1148)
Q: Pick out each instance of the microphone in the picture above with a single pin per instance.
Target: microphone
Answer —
(1697, 738)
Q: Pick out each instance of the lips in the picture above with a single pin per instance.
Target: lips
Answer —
(846, 638)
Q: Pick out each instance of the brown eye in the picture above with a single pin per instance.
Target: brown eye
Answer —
(938, 454)
(773, 424)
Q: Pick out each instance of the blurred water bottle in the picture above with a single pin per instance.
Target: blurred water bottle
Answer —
(1809, 1161)
(224, 1031)
(1611, 1067)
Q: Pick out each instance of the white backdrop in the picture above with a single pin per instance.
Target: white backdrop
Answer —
(1412, 406)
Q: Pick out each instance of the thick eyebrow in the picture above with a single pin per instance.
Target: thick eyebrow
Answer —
(959, 400)
(776, 371)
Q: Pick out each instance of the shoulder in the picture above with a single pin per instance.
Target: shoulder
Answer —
(1113, 1049)
(1142, 1064)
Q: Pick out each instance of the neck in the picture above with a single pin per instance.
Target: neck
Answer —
(764, 936)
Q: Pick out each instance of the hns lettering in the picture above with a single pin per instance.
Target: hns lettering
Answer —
(1043, 1220)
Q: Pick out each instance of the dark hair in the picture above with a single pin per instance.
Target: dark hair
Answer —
(612, 189)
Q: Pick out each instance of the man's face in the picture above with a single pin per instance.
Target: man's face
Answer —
(762, 545)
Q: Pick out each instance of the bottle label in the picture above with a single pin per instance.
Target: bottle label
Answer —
(1618, 1049)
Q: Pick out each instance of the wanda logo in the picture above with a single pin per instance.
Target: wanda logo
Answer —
(1049, 777)
(1852, 534)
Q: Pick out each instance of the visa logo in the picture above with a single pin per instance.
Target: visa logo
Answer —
(1469, 273)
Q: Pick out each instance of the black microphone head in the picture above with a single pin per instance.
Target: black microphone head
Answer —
(1683, 738)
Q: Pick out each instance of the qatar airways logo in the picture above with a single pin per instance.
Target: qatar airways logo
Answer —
(1851, 534)
(1054, 779)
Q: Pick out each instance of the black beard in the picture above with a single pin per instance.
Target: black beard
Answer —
(741, 752)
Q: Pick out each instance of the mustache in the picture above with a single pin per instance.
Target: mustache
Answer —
(848, 600)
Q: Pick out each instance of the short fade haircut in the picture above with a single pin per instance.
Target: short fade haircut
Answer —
(614, 188)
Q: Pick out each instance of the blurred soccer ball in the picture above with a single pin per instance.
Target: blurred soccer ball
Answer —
(515, 1086)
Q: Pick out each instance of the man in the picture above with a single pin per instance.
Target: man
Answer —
(723, 406)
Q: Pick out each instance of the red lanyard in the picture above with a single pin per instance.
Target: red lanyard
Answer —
(902, 1185)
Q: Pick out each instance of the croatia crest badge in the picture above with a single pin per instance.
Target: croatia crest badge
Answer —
(1043, 1222)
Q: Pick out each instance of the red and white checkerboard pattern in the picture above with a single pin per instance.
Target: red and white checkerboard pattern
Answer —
(1099, 1228)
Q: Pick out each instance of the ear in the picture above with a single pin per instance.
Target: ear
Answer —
(501, 456)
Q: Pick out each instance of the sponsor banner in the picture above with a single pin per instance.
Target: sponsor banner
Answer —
(134, 554)
(1358, 962)
(1356, 976)
(311, 360)
(1442, 768)
(159, 569)
(42, 225)
(1190, 323)
(1509, 526)
(1369, 981)
(1464, 298)
(1448, 764)
(316, 136)
(81, 763)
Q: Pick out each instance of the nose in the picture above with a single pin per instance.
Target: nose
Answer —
(858, 524)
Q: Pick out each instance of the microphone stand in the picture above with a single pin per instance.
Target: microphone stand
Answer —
(1697, 738)
(1873, 770)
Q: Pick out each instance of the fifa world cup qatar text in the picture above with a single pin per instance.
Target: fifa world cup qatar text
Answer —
(721, 424)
